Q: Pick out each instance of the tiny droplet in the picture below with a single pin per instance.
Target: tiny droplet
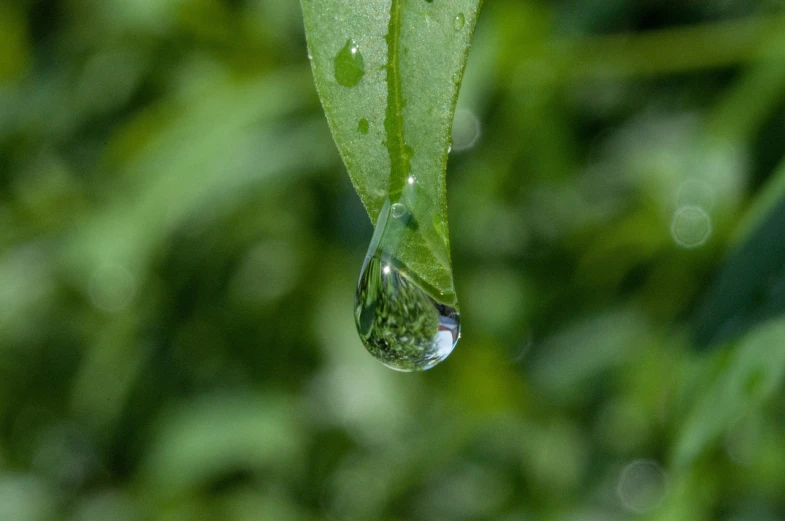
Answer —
(397, 210)
(459, 21)
(466, 130)
(362, 126)
(349, 65)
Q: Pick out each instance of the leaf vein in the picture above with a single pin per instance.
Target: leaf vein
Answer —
(393, 122)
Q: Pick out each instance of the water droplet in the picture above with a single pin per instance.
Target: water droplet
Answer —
(458, 22)
(349, 65)
(362, 126)
(401, 323)
(690, 227)
(465, 130)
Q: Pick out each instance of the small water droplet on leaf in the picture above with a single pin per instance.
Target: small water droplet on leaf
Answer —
(459, 21)
(349, 65)
(362, 126)
(397, 210)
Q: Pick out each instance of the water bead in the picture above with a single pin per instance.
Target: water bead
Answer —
(401, 323)
(362, 126)
(349, 64)
(397, 210)
(459, 21)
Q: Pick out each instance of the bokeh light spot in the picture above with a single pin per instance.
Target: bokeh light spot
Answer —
(642, 486)
(112, 288)
(690, 227)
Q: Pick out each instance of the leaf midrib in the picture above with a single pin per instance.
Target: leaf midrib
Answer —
(393, 121)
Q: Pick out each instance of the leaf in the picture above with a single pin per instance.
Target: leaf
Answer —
(751, 374)
(209, 438)
(388, 74)
(750, 286)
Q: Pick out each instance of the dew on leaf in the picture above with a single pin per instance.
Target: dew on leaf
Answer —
(466, 130)
(397, 210)
(349, 65)
(459, 21)
(362, 126)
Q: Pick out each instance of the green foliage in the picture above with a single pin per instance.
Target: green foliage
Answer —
(179, 242)
(753, 372)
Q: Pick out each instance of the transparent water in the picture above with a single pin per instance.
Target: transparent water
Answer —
(401, 323)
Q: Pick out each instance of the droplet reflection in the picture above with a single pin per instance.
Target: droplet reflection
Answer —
(404, 322)
(399, 323)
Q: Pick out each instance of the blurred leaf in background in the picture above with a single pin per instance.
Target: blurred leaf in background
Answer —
(179, 246)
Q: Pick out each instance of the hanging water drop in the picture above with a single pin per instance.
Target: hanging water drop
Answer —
(459, 21)
(349, 65)
(402, 321)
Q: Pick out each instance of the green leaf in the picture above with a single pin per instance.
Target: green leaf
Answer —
(388, 74)
(751, 374)
(750, 286)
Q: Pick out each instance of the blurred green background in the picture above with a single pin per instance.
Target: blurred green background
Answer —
(180, 244)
